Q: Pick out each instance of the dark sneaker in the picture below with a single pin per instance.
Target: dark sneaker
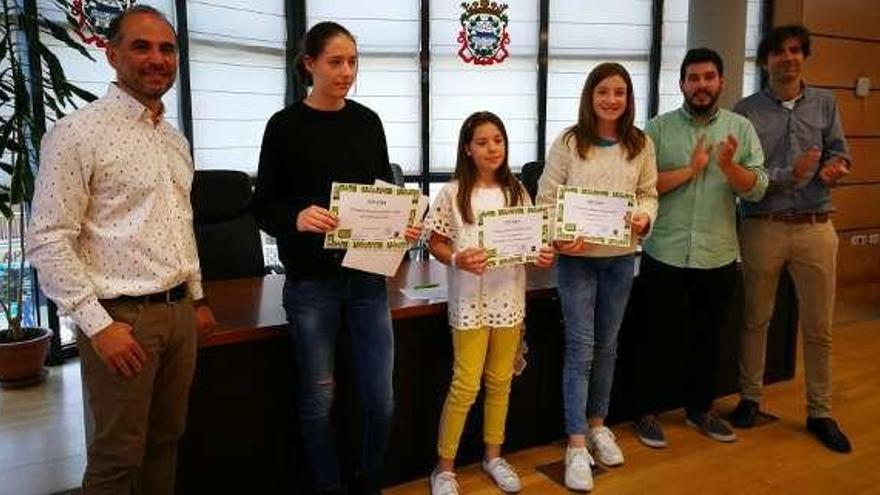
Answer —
(827, 431)
(650, 432)
(745, 413)
(712, 426)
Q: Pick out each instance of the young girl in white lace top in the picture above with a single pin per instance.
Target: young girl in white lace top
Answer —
(486, 307)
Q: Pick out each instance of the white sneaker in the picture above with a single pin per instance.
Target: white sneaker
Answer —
(602, 445)
(444, 483)
(578, 470)
(503, 475)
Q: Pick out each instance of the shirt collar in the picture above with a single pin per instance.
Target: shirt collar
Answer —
(691, 118)
(131, 107)
(770, 94)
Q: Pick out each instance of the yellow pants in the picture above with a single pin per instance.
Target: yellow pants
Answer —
(486, 352)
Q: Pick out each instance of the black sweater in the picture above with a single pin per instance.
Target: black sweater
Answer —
(305, 150)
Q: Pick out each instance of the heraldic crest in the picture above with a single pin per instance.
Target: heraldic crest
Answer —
(483, 36)
(93, 18)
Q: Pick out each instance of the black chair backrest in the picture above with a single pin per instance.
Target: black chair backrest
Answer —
(226, 232)
(529, 176)
(397, 174)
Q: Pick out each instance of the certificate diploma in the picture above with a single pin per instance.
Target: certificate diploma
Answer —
(370, 216)
(597, 216)
(513, 236)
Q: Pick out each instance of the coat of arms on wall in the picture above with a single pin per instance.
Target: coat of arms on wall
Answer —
(93, 18)
(483, 36)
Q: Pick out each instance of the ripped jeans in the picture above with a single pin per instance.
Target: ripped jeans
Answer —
(315, 308)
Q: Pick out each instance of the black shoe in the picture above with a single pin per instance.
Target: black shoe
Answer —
(827, 431)
(745, 413)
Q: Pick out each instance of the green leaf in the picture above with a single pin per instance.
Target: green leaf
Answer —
(56, 73)
(3, 47)
(27, 182)
(60, 33)
(22, 95)
(5, 208)
(5, 132)
(15, 186)
(53, 105)
(88, 96)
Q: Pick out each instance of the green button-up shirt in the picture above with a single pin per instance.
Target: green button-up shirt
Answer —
(696, 222)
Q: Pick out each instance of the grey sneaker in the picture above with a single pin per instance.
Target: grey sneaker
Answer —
(712, 426)
(650, 432)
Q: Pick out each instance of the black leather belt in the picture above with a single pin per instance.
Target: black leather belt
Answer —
(169, 296)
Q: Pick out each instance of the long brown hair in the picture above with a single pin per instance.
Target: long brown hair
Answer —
(466, 169)
(585, 133)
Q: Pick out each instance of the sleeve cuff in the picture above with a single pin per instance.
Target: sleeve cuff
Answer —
(195, 289)
(91, 317)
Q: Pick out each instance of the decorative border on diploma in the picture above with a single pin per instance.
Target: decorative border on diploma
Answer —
(567, 232)
(341, 238)
(495, 261)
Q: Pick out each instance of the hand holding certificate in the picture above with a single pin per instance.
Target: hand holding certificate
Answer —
(597, 216)
(513, 236)
(371, 216)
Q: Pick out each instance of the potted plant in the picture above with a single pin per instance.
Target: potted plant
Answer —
(23, 100)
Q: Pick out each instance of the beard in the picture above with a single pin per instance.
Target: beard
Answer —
(702, 108)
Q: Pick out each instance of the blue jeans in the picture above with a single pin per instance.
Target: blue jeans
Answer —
(594, 294)
(315, 308)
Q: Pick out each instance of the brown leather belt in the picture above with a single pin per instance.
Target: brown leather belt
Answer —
(794, 217)
(169, 296)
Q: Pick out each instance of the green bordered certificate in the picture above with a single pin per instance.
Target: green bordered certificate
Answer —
(598, 216)
(513, 236)
(370, 217)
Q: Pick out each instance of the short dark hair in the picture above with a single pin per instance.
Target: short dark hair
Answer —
(778, 36)
(114, 30)
(313, 44)
(700, 55)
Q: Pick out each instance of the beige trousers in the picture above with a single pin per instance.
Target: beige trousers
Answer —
(139, 420)
(809, 252)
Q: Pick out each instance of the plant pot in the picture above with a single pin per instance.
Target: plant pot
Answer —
(21, 362)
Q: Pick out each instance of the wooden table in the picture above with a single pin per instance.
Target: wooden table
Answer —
(249, 310)
(241, 435)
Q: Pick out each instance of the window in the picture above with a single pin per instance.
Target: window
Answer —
(388, 68)
(585, 34)
(94, 76)
(672, 50)
(751, 71)
(237, 78)
(508, 89)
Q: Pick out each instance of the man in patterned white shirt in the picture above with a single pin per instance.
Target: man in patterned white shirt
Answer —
(112, 239)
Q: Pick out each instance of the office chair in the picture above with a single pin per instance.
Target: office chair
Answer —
(227, 235)
(529, 176)
(397, 174)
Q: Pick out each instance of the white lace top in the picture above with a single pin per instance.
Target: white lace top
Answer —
(494, 299)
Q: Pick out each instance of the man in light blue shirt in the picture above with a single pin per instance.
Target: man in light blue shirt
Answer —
(707, 157)
(800, 130)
